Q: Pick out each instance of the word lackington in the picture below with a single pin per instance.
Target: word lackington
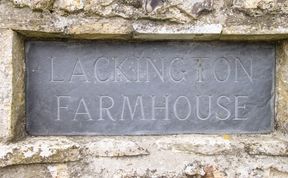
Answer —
(104, 70)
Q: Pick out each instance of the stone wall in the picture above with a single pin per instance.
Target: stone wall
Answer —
(190, 155)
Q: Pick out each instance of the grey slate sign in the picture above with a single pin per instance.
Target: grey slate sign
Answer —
(137, 88)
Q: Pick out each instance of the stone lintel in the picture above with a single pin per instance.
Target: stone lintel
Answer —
(142, 30)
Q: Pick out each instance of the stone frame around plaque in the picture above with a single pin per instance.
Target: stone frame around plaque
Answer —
(13, 111)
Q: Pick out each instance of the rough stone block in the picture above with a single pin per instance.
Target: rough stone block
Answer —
(12, 86)
(69, 5)
(102, 29)
(168, 32)
(34, 4)
(268, 145)
(115, 148)
(39, 151)
(282, 87)
(261, 7)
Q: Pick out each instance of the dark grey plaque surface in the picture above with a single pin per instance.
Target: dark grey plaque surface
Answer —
(122, 88)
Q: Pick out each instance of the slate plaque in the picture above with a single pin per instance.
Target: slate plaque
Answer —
(129, 88)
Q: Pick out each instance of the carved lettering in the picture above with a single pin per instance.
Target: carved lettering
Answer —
(96, 74)
(118, 73)
(172, 65)
(200, 68)
(188, 105)
(52, 78)
(102, 108)
(248, 73)
(59, 98)
(131, 88)
(78, 71)
(139, 102)
(204, 106)
(82, 104)
(162, 107)
(160, 73)
(220, 115)
(138, 71)
(240, 107)
(222, 62)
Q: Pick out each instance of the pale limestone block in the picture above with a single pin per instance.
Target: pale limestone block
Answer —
(115, 148)
(39, 150)
(163, 32)
(34, 4)
(261, 7)
(69, 5)
(12, 86)
(282, 87)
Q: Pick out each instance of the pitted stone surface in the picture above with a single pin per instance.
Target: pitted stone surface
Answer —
(282, 85)
(69, 5)
(98, 19)
(261, 7)
(227, 145)
(203, 145)
(175, 10)
(34, 4)
(115, 148)
(155, 31)
(6, 37)
(135, 156)
(12, 87)
(40, 150)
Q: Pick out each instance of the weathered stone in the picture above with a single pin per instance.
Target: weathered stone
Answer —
(194, 169)
(34, 4)
(261, 7)
(12, 86)
(115, 148)
(239, 166)
(18, 96)
(6, 37)
(103, 29)
(176, 10)
(277, 174)
(150, 5)
(200, 7)
(155, 31)
(26, 171)
(250, 32)
(69, 5)
(111, 14)
(134, 3)
(282, 87)
(97, 152)
(201, 145)
(58, 170)
(40, 150)
(197, 169)
(167, 164)
(216, 145)
(110, 8)
(192, 8)
(266, 146)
